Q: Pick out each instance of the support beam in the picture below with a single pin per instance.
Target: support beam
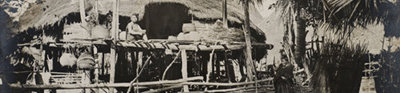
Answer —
(184, 69)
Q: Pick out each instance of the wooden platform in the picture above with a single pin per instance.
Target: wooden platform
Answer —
(158, 44)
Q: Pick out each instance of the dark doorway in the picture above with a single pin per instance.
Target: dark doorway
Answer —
(165, 19)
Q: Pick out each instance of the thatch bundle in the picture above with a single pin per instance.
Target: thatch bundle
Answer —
(215, 32)
(100, 31)
(32, 51)
(77, 31)
(229, 35)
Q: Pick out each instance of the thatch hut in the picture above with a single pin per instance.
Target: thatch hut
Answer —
(161, 18)
(156, 16)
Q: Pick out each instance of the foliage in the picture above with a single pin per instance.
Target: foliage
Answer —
(342, 15)
(338, 66)
(388, 78)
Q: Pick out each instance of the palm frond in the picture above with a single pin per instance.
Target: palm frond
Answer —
(343, 15)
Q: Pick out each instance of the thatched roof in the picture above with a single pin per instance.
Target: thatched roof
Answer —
(51, 11)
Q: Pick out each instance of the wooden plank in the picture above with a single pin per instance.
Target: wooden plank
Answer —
(184, 69)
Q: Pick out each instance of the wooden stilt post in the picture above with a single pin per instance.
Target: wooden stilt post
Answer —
(42, 52)
(101, 56)
(139, 64)
(214, 66)
(209, 67)
(217, 65)
(184, 69)
(114, 38)
(97, 70)
(140, 59)
(228, 69)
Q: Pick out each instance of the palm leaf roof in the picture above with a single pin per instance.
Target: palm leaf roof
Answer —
(52, 11)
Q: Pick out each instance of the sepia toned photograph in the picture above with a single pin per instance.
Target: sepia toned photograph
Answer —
(199, 46)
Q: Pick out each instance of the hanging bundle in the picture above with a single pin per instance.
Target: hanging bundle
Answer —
(67, 58)
(85, 61)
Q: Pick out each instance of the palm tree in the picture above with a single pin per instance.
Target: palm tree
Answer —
(340, 15)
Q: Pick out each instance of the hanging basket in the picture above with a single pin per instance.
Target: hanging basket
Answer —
(67, 59)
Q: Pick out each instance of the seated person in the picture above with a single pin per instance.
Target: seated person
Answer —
(135, 30)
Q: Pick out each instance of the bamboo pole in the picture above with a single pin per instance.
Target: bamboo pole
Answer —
(164, 89)
(138, 65)
(138, 73)
(169, 66)
(104, 85)
(42, 52)
(236, 89)
(209, 67)
(157, 45)
(82, 11)
(225, 13)
(140, 60)
(228, 84)
(114, 38)
(215, 84)
(184, 69)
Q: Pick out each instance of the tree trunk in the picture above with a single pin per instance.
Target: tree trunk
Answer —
(300, 47)
(249, 61)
